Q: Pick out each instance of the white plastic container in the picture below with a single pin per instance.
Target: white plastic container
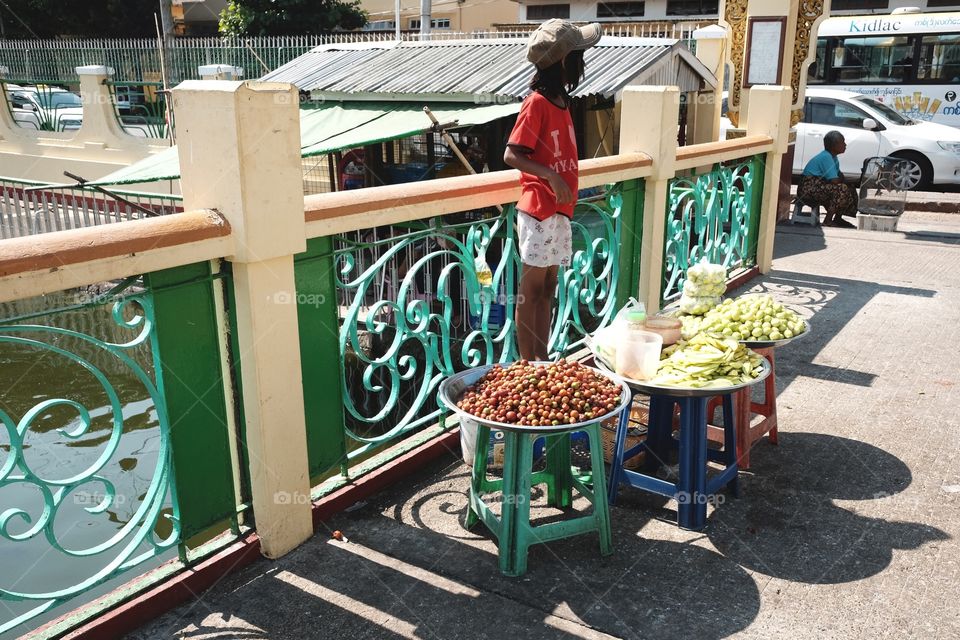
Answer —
(638, 354)
(468, 440)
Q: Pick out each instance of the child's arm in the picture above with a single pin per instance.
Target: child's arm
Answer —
(518, 158)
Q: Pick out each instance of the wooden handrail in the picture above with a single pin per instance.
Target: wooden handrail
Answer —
(331, 213)
(710, 152)
(38, 264)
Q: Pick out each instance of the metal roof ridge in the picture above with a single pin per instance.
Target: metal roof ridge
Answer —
(354, 46)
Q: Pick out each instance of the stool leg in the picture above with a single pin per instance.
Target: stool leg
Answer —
(659, 432)
(770, 395)
(699, 471)
(730, 441)
(616, 460)
(686, 455)
(742, 403)
(515, 532)
(478, 474)
(560, 487)
(691, 488)
(600, 509)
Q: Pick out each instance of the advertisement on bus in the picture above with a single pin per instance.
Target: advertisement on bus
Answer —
(908, 61)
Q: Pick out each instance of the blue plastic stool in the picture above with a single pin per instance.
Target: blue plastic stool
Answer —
(691, 489)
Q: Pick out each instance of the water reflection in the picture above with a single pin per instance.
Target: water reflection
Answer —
(56, 448)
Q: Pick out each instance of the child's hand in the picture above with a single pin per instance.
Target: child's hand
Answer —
(560, 188)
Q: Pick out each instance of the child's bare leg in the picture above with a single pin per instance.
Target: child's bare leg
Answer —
(544, 311)
(531, 290)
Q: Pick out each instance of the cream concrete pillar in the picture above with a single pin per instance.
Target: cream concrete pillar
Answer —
(7, 124)
(649, 119)
(769, 114)
(219, 72)
(100, 125)
(711, 51)
(239, 145)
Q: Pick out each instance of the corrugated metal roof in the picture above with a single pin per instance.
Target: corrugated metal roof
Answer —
(481, 70)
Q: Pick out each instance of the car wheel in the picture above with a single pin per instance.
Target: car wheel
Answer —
(915, 174)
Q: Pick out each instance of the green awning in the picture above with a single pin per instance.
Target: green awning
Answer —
(333, 127)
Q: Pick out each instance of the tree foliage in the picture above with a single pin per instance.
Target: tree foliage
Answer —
(289, 17)
(56, 18)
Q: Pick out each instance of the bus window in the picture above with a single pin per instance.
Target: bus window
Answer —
(817, 72)
(940, 58)
(873, 60)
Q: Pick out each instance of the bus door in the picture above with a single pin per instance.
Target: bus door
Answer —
(822, 115)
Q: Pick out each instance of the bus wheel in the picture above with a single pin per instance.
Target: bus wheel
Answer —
(917, 176)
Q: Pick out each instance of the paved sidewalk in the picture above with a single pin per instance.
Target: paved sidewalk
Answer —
(848, 529)
(933, 201)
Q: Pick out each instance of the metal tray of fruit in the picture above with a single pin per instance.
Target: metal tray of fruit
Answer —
(651, 389)
(764, 344)
(453, 388)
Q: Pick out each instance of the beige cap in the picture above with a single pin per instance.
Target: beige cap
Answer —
(555, 38)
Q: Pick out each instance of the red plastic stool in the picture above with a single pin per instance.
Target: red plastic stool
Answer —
(744, 409)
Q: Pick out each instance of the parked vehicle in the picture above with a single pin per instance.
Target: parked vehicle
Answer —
(872, 128)
(45, 108)
(907, 60)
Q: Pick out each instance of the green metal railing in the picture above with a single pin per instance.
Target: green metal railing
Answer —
(410, 309)
(140, 108)
(713, 216)
(63, 461)
(138, 59)
(115, 452)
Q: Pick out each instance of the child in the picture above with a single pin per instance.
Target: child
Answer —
(543, 147)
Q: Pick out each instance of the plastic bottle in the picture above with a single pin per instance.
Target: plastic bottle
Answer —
(484, 274)
(636, 320)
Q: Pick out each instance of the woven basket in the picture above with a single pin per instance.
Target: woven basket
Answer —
(636, 433)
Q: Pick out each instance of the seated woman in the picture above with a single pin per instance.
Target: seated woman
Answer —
(822, 183)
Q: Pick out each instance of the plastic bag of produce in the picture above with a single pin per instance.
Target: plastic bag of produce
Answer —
(706, 273)
(698, 306)
(703, 289)
(603, 343)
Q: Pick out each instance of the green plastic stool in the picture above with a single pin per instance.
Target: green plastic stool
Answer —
(513, 529)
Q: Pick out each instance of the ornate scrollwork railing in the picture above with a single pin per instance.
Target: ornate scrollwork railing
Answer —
(416, 306)
(714, 217)
(67, 511)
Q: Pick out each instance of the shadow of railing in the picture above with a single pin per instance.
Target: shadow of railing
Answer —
(818, 298)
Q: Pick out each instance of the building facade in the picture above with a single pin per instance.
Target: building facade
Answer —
(447, 15)
(197, 17)
(675, 10)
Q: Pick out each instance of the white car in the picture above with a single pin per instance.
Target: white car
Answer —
(45, 108)
(870, 129)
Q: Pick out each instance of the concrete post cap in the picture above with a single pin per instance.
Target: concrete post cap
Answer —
(94, 70)
(712, 32)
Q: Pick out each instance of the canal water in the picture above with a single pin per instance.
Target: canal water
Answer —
(117, 447)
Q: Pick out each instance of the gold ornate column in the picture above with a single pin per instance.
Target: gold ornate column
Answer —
(802, 19)
(810, 14)
(734, 19)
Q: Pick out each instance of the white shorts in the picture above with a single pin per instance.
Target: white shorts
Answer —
(545, 243)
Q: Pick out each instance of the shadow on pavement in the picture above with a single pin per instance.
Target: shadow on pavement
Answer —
(789, 526)
(829, 304)
(409, 569)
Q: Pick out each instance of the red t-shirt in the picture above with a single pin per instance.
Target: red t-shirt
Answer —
(547, 130)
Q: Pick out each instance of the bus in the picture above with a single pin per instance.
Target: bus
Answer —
(908, 61)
